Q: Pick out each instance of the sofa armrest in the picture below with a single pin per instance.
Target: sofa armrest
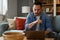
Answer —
(3, 27)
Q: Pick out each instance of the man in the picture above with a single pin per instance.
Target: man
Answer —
(38, 20)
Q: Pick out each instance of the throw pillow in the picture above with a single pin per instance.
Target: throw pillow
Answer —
(20, 22)
(11, 23)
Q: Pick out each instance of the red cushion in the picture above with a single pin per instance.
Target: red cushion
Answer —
(20, 22)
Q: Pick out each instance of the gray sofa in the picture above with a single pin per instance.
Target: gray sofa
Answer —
(54, 20)
(3, 27)
(56, 26)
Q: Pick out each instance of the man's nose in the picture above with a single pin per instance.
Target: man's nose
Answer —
(36, 11)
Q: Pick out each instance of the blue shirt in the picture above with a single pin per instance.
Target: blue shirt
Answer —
(46, 23)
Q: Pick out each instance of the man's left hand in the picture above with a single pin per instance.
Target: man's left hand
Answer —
(46, 32)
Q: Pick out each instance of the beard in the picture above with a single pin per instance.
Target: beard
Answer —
(36, 14)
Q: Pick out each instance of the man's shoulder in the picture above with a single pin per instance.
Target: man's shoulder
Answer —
(30, 14)
(43, 14)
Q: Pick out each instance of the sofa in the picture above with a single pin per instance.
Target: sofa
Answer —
(56, 26)
(54, 20)
(3, 27)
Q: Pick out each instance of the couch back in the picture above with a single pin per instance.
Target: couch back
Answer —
(56, 22)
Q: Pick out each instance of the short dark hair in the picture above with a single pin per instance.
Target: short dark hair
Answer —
(37, 3)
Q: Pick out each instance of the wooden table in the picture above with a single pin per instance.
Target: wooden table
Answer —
(1, 38)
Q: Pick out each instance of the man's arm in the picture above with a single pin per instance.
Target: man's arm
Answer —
(28, 20)
(29, 24)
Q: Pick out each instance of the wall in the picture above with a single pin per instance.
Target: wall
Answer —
(12, 9)
(21, 3)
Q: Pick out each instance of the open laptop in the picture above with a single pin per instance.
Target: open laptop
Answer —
(35, 35)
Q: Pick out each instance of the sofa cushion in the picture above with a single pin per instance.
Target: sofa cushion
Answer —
(57, 23)
(11, 23)
(20, 22)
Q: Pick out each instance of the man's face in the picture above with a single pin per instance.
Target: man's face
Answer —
(36, 9)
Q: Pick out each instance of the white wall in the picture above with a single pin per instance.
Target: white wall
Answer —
(12, 9)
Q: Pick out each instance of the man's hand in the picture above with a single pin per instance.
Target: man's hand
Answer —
(46, 32)
(39, 21)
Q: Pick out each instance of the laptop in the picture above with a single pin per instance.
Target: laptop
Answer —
(34, 35)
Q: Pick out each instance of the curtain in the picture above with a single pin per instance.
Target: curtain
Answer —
(3, 7)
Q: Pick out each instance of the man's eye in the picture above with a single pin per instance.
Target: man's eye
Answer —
(35, 9)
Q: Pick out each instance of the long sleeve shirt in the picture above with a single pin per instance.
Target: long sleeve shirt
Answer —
(46, 23)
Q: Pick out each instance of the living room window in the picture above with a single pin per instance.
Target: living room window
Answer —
(3, 7)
